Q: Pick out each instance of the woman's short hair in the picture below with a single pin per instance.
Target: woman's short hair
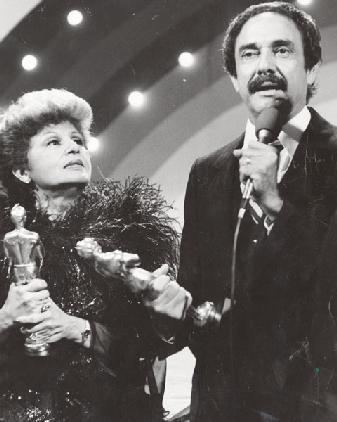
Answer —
(305, 24)
(31, 113)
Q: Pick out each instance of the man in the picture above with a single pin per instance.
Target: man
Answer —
(259, 366)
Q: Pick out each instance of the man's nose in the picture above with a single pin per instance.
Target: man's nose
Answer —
(266, 63)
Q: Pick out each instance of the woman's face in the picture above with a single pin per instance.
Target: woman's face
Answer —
(58, 157)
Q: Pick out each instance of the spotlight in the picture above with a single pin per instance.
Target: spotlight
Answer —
(93, 144)
(29, 62)
(136, 99)
(75, 17)
(304, 2)
(186, 59)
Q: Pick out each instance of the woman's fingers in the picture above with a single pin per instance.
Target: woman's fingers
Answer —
(33, 318)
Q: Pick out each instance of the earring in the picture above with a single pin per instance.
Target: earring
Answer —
(25, 178)
(22, 175)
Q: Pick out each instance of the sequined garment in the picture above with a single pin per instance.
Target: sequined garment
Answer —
(77, 384)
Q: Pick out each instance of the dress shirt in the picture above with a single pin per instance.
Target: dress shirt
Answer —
(289, 138)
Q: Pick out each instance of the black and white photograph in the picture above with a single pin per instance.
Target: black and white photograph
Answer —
(168, 211)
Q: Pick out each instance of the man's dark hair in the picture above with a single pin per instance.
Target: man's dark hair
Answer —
(305, 23)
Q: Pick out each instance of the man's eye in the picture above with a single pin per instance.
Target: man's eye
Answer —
(248, 54)
(282, 51)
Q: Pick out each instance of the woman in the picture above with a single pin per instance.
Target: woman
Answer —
(99, 337)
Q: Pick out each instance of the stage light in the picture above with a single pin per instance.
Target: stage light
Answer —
(136, 99)
(186, 59)
(75, 17)
(29, 62)
(304, 2)
(93, 144)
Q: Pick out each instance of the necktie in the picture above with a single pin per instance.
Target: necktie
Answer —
(256, 212)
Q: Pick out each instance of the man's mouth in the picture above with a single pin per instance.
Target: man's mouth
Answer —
(267, 86)
(262, 83)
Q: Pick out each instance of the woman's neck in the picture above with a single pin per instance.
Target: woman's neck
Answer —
(56, 202)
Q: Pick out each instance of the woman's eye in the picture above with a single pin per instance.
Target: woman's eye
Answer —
(53, 141)
(78, 140)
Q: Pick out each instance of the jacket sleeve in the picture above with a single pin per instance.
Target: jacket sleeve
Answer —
(124, 338)
(189, 259)
(324, 326)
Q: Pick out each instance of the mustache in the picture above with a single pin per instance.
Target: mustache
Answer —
(257, 81)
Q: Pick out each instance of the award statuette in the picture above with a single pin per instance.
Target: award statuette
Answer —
(24, 250)
(125, 266)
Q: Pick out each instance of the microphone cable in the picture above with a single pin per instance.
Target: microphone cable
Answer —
(268, 127)
(242, 211)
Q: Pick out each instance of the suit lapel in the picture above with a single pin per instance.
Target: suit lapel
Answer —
(229, 180)
(303, 181)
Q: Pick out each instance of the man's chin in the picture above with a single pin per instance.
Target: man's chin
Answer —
(264, 99)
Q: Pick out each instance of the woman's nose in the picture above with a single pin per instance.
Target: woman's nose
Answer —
(72, 146)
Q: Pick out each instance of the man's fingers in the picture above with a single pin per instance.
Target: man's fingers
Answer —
(188, 301)
(226, 306)
(173, 301)
(161, 271)
(170, 292)
(159, 284)
(180, 304)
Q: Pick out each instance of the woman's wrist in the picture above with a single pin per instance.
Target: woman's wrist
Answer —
(5, 319)
(78, 331)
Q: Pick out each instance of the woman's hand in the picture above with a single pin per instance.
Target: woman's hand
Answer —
(57, 325)
(24, 300)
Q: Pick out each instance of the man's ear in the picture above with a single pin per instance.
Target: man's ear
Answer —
(22, 174)
(235, 83)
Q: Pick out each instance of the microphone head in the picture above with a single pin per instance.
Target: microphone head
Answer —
(269, 123)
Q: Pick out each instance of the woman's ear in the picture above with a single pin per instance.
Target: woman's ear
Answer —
(22, 175)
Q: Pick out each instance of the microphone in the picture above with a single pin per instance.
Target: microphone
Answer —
(267, 128)
(269, 124)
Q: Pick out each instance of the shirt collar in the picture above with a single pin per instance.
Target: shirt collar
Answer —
(291, 132)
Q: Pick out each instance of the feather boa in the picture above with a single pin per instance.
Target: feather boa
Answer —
(132, 217)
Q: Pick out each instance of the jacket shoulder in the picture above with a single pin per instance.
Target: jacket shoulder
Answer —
(324, 133)
(218, 159)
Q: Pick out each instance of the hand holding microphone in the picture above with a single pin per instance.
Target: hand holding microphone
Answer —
(259, 162)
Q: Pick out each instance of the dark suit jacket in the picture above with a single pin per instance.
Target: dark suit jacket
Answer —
(275, 299)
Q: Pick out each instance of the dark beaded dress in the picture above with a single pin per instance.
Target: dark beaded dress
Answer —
(105, 382)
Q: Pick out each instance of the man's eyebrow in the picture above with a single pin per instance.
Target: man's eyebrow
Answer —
(286, 43)
(251, 45)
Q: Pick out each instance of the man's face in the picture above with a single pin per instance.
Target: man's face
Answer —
(270, 64)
